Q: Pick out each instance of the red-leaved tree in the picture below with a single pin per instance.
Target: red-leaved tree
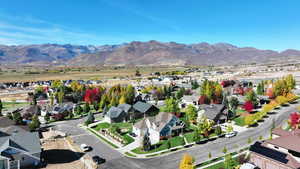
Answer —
(203, 100)
(239, 90)
(92, 95)
(248, 106)
(294, 120)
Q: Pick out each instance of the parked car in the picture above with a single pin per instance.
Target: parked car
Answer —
(132, 134)
(231, 134)
(85, 147)
(98, 160)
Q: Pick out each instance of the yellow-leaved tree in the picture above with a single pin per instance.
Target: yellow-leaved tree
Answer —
(186, 162)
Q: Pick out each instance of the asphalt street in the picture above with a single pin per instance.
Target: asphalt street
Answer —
(115, 160)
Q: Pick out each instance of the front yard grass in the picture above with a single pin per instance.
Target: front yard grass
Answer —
(240, 121)
(128, 139)
(176, 141)
(100, 137)
(189, 137)
(103, 125)
(123, 125)
(162, 145)
(9, 105)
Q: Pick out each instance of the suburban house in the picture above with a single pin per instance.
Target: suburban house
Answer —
(115, 115)
(281, 152)
(31, 110)
(66, 107)
(142, 109)
(215, 112)
(158, 127)
(128, 109)
(189, 99)
(18, 147)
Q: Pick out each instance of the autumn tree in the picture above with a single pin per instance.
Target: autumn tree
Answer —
(122, 100)
(191, 112)
(249, 120)
(290, 82)
(248, 106)
(186, 162)
(294, 120)
(171, 105)
(251, 96)
(130, 94)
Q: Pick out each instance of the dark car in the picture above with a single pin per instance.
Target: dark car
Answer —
(98, 160)
(133, 134)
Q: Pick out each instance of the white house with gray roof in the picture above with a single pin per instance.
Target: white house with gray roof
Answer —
(20, 149)
(158, 127)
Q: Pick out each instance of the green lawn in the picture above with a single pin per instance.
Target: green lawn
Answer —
(221, 165)
(10, 105)
(100, 137)
(192, 127)
(122, 125)
(100, 126)
(162, 145)
(128, 139)
(240, 111)
(239, 121)
(189, 137)
(177, 141)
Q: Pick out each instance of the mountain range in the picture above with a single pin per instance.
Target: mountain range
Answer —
(151, 53)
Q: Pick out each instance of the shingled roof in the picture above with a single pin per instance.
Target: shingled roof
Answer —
(125, 107)
(114, 112)
(142, 107)
(24, 141)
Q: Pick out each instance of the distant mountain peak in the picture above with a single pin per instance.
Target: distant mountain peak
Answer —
(152, 52)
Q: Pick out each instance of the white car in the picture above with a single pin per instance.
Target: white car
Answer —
(230, 134)
(85, 147)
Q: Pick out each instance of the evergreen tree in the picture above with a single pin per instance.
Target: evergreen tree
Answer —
(146, 144)
(90, 119)
(17, 118)
(35, 123)
(86, 107)
(1, 107)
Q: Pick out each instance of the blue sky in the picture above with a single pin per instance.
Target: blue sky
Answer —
(265, 24)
